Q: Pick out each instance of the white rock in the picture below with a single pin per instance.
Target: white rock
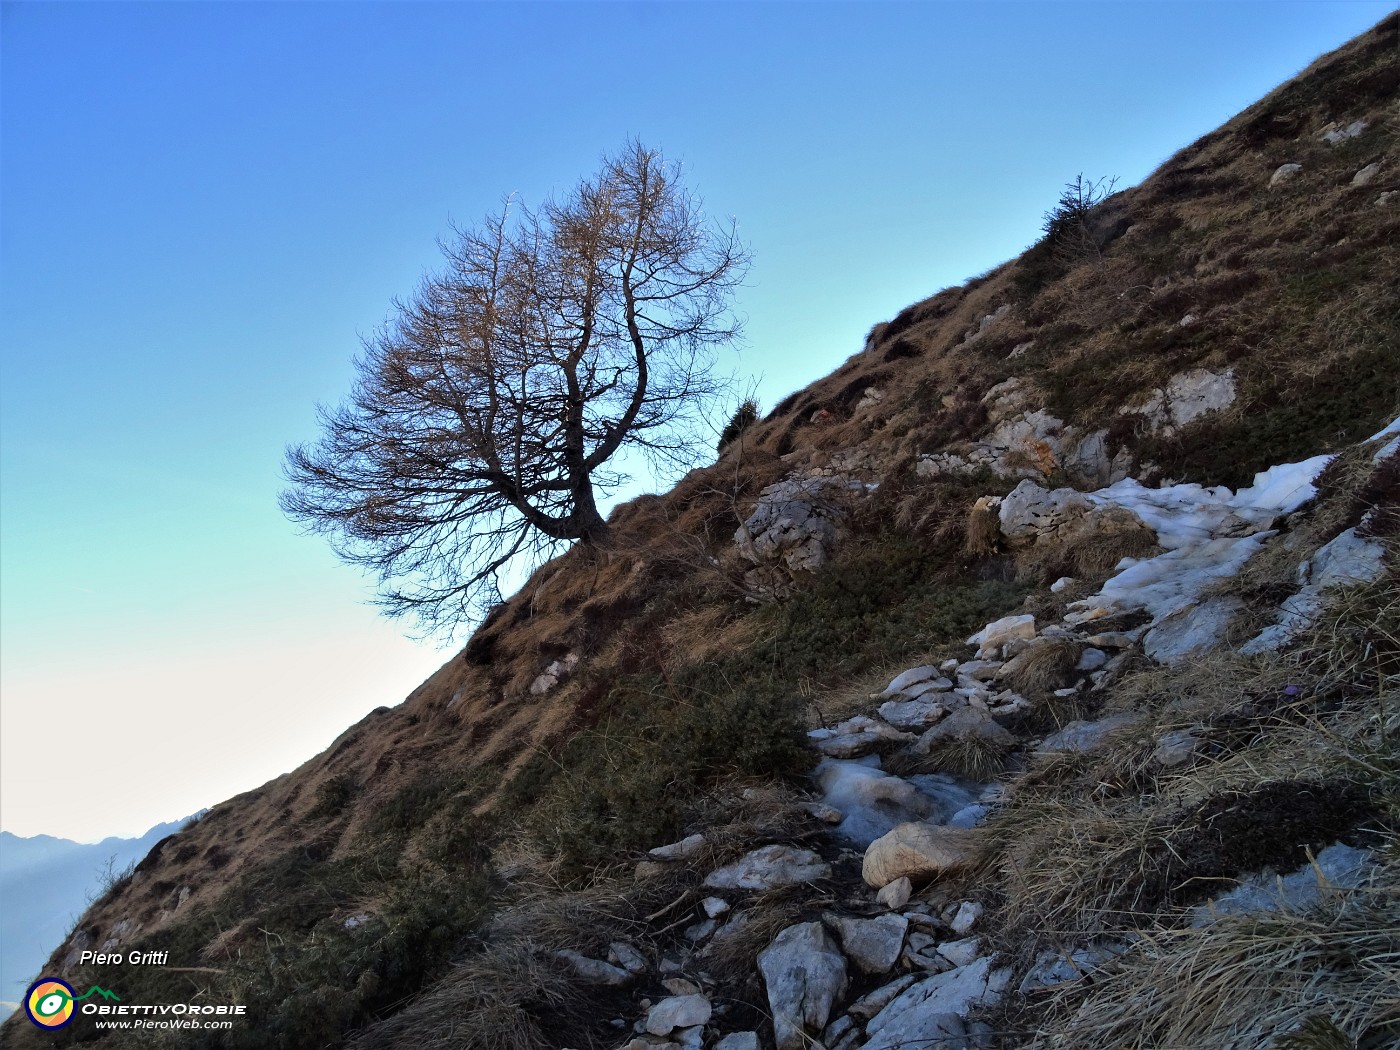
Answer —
(1191, 631)
(1091, 660)
(1060, 584)
(769, 868)
(686, 848)
(949, 666)
(680, 1011)
(919, 851)
(896, 894)
(1335, 134)
(971, 722)
(980, 670)
(1283, 173)
(961, 952)
(738, 1041)
(1085, 736)
(997, 633)
(595, 971)
(1187, 397)
(623, 954)
(1031, 512)
(714, 906)
(867, 1006)
(1366, 174)
(872, 944)
(934, 1006)
(1175, 748)
(966, 916)
(805, 974)
(912, 714)
(913, 676)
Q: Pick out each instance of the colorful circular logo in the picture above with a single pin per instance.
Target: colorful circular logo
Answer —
(49, 1002)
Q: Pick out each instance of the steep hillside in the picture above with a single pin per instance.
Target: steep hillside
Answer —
(454, 870)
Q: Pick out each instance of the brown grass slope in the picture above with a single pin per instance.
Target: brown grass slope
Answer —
(330, 897)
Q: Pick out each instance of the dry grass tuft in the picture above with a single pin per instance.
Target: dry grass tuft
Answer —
(1042, 668)
(1242, 982)
(983, 529)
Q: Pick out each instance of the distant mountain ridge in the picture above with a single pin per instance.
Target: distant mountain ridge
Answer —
(46, 883)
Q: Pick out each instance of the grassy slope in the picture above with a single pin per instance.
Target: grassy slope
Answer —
(411, 817)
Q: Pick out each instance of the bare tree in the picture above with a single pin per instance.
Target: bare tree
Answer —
(487, 411)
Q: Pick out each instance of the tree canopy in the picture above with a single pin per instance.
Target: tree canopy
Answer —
(488, 411)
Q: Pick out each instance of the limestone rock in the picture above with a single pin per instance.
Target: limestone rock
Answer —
(686, 848)
(738, 1041)
(1283, 173)
(679, 1011)
(867, 1006)
(991, 638)
(805, 974)
(961, 952)
(1187, 397)
(932, 1009)
(1191, 631)
(896, 894)
(769, 868)
(620, 953)
(965, 918)
(595, 971)
(1175, 748)
(970, 722)
(914, 715)
(1366, 174)
(919, 851)
(1085, 736)
(1336, 133)
(872, 944)
(1030, 513)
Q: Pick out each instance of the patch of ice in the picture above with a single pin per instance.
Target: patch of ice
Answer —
(875, 802)
(1390, 447)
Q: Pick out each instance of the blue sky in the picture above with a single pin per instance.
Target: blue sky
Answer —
(204, 204)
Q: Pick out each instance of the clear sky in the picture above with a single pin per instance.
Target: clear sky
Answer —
(205, 203)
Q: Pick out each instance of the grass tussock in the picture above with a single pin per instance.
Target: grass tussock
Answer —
(1251, 983)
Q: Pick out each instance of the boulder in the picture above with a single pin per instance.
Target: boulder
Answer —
(912, 714)
(1191, 631)
(1187, 397)
(1283, 173)
(967, 723)
(1366, 174)
(872, 944)
(769, 868)
(905, 679)
(1030, 513)
(1335, 133)
(918, 851)
(805, 975)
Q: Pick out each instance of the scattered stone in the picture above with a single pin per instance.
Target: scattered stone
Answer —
(714, 907)
(971, 722)
(1283, 173)
(554, 674)
(979, 670)
(622, 954)
(868, 1006)
(1085, 736)
(686, 848)
(826, 814)
(1091, 659)
(905, 679)
(1060, 584)
(738, 1041)
(1056, 966)
(932, 1009)
(961, 952)
(1335, 133)
(895, 895)
(949, 666)
(595, 971)
(680, 1011)
(965, 918)
(991, 638)
(1387, 197)
(913, 714)
(1176, 748)
(919, 851)
(872, 944)
(855, 737)
(680, 986)
(769, 868)
(700, 931)
(805, 974)
(1366, 174)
